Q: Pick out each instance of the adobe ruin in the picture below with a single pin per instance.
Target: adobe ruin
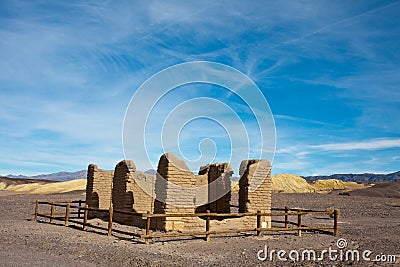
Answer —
(218, 178)
(176, 189)
(255, 188)
(128, 194)
(98, 189)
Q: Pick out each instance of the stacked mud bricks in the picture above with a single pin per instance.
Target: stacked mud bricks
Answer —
(98, 189)
(176, 193)
(132, 191)
(175, 189)
(218, 178)
(255, 190)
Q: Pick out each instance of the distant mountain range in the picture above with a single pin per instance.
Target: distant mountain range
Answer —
(151, 172)
(59, 176)
(365, 177)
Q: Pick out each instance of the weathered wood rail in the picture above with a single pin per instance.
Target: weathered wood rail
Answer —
(296, 226)
(52, 214)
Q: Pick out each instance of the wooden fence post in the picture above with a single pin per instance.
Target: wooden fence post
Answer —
(286, 217)
(79, 209)
(208, 237)
(51, 212)
(67, 213)
(258, 223)
(110, 218)
(299, 223)
(85, 217)
(335, 222)
(36, 210)
(147, 239)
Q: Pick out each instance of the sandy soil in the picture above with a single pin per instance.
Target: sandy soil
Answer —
(371, 223)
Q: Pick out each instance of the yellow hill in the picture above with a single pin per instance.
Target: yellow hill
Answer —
(49, 188)
(354, 185)
(287, 183)
(291, 183)
(333, 184)
(327, 185)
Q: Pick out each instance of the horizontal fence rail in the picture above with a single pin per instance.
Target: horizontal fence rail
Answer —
(297, 226)
(53, 204)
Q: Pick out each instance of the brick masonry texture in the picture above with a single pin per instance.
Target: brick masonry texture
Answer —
(133, 191)
(255, 189)
(218, 178)
(98, 189)
(180, 191)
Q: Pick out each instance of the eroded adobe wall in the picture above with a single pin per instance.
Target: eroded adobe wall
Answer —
(143, 191)
(98, 189)
(202, 190)
(128, 194)
(178, 196)
(255, 189)
(218, 178)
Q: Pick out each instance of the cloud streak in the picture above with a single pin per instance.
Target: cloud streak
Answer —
(374, 144)
(340, 22)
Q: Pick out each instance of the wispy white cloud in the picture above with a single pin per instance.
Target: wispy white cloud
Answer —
(347, 20)
(301, 120)
(373, 144)
(372, 155)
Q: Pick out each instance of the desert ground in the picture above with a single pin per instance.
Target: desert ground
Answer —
(366, 223)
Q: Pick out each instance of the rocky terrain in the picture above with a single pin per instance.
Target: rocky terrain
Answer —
(386, 189)
(366, 223)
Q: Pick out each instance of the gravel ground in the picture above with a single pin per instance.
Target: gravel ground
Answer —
(366, 223)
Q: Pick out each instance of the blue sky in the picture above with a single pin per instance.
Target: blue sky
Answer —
(330, 71)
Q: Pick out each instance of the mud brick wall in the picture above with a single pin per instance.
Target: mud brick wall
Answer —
(201, 192)
(128, 194)
(98, 190)
(218, 180)
(220, 175)
(180, 191)
(255, 189)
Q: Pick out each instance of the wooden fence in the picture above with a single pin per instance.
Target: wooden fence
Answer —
(297, 226)
(68, 205)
